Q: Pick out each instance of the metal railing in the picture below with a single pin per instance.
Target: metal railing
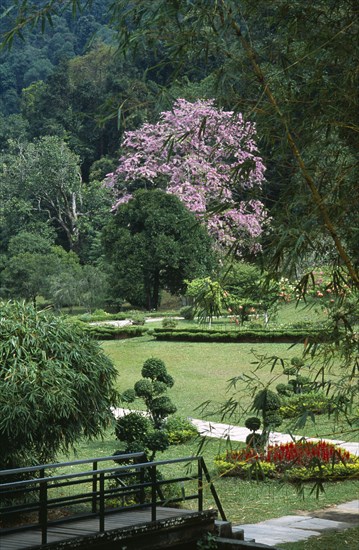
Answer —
(134, 484)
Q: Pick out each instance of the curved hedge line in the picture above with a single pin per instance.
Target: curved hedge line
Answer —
(201, 335)
(108, 332)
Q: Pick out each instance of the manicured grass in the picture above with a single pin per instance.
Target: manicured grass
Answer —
(202, 372)
(341, 540)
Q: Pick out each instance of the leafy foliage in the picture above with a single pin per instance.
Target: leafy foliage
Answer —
(147, 431)
(56, 386)
(302, 460)
(153, 242)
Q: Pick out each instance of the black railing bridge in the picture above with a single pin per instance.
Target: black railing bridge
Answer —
(41, 497)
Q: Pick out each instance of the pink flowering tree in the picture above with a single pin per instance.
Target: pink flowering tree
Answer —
(208, 158)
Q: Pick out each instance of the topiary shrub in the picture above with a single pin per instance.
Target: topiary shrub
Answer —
(148, 433)
(153, 368)
(253, 423)
(284, 390)
(268, 403)
(169, 322)
(253, 439)
(265, 401)
(273, 420)
(290, 371)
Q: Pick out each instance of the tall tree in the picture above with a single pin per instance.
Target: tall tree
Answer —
(153, 243)
(46, 174)
(292, 66)
(206, 157)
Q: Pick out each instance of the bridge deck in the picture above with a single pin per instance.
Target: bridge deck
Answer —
(31, 538)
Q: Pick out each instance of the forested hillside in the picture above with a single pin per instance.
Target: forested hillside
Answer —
(74, 84)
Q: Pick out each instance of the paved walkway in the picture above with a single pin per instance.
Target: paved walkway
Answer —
(296, 528)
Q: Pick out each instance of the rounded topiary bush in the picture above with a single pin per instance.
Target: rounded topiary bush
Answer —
(253, 423)
(284, 390)
(154, 368)
(290, 371)
(157, 440)
(162, 407)
(297, 362)
(132, 428)
(273, 419)
(266, 400)
(143, 388)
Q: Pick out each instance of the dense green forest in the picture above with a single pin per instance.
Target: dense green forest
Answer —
(73, 85)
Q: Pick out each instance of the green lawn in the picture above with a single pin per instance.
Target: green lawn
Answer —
(202, 372)
(343, 540)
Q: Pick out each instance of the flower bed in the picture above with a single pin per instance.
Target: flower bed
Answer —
(303, 460)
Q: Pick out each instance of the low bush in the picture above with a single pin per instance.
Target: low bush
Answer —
(99, 316)
(302, 460)
(108, 332)
(297, 404)
(169, 322)
(187, 312)
(180, 430)
(137, 318)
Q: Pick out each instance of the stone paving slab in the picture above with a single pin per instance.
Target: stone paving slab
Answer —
(296, 528)
(311, 523)
(352, 507)
(272, 535)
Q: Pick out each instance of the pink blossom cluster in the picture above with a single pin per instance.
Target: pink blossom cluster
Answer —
(205, 156)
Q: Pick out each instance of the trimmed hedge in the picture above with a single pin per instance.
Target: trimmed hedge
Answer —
(108, 332)
(266, 470)
(210, 335)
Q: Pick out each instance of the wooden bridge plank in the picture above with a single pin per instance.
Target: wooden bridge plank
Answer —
(84, 527)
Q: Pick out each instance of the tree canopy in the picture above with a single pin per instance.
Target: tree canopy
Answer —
(209, 159)
(153, 243)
